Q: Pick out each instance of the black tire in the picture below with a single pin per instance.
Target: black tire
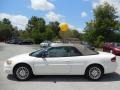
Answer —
(22, 72)
(94, 72)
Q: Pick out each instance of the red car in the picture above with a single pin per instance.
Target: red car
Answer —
(112, 48)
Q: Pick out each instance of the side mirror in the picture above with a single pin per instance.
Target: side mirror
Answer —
(44, 54)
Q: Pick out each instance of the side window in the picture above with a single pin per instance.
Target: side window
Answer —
(74, 52)
(57, 52)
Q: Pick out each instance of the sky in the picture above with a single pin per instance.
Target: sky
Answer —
(74, 12)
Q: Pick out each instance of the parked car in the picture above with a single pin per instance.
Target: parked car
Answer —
(61, 59)
(25, 42)
(45, 44)
(112, 48)
(8, 41)
(13, 41)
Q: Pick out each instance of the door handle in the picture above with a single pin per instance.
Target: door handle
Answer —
(67, 61)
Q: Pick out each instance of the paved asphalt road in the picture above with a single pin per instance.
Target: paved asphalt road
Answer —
(109, 82)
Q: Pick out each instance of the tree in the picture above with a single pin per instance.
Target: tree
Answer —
(36, 23)
(6, 21)
(75, 34)
(100, 41)
(35, 29)
(32, 23)
(55, 27)
(41, 25)
(105, 21)
(37, 36)
(15, 32)
(104, 24)
(90, 36)
(39, 31)
(49, 33)
(24, 35)
(5, 29)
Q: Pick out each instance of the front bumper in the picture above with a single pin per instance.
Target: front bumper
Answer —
(8, 68)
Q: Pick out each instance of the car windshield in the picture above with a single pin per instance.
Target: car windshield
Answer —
(116, 44)
(37, 53)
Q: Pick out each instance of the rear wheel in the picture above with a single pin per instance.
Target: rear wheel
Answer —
(94, 72)
(22, 72)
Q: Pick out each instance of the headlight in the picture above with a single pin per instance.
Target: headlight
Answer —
(9, 62)
(117, 49)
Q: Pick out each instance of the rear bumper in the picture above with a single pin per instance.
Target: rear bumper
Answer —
(110, 67)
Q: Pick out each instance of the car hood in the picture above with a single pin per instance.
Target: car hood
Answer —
(117, 47)
(22, 58)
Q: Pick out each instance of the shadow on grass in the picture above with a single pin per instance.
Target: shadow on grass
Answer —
(69, 78)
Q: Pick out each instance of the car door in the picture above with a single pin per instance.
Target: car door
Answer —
(77, 61)
(55, 63)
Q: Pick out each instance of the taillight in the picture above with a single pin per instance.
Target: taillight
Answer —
(113, 59)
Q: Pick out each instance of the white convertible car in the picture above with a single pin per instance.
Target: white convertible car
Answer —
(64, 59)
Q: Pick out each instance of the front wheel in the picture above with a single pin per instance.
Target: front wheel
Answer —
(22, 72)
(94, 72)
